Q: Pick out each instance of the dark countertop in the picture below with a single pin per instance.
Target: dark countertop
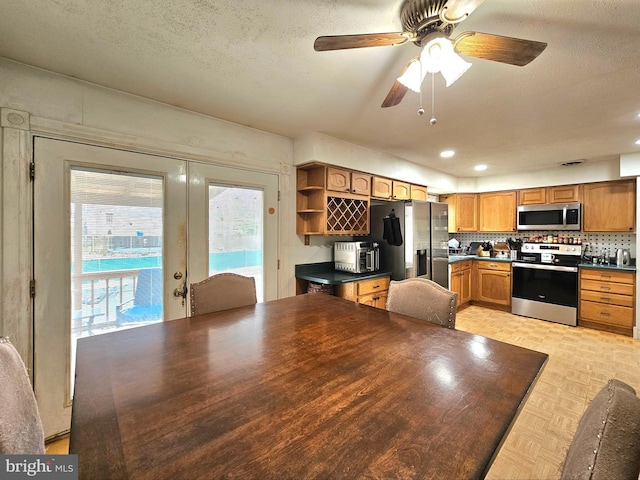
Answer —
(325, 274)
(462, 258)
(630, 268)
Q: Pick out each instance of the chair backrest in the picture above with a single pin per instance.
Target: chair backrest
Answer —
(20, 425)
(606, 444)
(222, 292)
(149, 287)
(421, 298)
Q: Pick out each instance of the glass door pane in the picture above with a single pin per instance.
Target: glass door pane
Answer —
(116, 251)
(236, 232)
(233, 225)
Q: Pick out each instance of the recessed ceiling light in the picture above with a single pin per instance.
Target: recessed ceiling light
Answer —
(447, 153)
(637, 142)
(479, 168)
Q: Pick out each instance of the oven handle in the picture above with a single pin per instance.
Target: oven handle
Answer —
(545, 267)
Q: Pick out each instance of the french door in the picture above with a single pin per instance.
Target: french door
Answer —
(118, 236)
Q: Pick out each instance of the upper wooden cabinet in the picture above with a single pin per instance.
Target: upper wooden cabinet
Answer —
(388, 189)
(532, 196)
(324, 211)
(541, 195)
(346, 181)
(497, 211)
(563, 194)
(609, 206)
(463, 211)
(418, 192)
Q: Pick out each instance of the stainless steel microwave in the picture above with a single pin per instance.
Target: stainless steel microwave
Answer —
(356, 257)
(555, 216)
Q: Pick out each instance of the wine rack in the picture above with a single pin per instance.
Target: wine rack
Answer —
(347, 216)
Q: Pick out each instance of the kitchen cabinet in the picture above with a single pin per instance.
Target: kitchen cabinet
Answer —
(463, 211)
(607, 300)
(418, 192)
(492, 283)
(497, 211)
(532, 196)
(461, 281)
(347, 181)
(388, 189)
(563, 194)
(609, 206)
(542, 195)
(371, 292)
(321, 211)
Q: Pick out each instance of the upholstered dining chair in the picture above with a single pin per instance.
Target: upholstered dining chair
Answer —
(424, 299)
(222, 292)
(606, 444)
(20, 425)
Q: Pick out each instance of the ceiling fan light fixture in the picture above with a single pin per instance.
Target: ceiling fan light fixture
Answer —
(412, 76)
(438, 56)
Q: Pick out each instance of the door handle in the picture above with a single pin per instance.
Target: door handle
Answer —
(181, 292)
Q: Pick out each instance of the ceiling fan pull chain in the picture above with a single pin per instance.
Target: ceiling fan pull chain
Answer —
(420, 109)
(433, 99)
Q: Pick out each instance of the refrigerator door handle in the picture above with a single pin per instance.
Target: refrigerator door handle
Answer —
(421, 264)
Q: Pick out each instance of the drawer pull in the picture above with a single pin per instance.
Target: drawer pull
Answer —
(605, 287)
(493, 265)
(605, 314)
(605, 276)
(605, 299)
(376, 286)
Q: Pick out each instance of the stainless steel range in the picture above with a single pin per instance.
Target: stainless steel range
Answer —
(545, 282)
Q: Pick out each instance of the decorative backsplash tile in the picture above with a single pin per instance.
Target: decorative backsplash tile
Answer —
(597, 241)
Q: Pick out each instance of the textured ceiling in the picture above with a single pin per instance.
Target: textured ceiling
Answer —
(252, 62)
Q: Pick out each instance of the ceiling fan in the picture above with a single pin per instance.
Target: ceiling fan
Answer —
(428, 24)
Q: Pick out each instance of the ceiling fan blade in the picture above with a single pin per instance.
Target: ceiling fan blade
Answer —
(340, 42)
(457, 10)
(398, 90)
(514, 51)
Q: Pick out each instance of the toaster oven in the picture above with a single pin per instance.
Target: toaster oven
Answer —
(356, 257)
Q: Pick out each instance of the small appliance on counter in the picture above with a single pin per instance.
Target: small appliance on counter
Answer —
(501, 250)
(356, 257)
(623, 257)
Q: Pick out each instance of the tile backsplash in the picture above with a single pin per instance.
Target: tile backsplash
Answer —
(597, 241)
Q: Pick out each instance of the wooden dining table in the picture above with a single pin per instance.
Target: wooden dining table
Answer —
(305, 387)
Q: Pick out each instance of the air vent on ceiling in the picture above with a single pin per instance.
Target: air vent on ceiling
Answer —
(571, 164)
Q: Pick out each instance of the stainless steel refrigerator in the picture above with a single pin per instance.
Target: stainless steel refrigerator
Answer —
(424, 228)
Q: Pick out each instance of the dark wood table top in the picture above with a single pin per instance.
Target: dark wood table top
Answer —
(306, 387)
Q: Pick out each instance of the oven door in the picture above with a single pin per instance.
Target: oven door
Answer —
(546, 283)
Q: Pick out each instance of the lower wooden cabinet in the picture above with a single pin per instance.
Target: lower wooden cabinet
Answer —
(607, 300)
(371, 292)
(492, 283)
(461, 281)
